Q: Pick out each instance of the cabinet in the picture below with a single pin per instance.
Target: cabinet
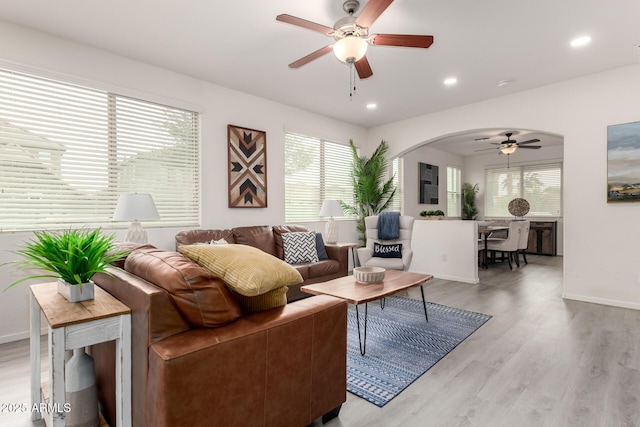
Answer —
(542, 238)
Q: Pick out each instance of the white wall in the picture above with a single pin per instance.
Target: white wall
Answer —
(219, 106)
(600, 240)
(432, 156)
(447, 249)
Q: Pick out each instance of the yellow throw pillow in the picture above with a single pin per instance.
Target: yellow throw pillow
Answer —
(245, 269)
(272, 299)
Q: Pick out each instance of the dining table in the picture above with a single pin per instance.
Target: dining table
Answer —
(485, 231)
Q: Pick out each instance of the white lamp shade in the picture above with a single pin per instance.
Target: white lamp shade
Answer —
(331, 208)
(350, 49)
(135, 207)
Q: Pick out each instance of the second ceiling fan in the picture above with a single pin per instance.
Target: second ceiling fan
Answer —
(352, 36)
(509, 145)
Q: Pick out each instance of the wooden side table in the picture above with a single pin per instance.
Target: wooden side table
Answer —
(353, 246)
(76, 325)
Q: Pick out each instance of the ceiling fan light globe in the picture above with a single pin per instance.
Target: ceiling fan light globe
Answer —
(350, 49)
(509, 149)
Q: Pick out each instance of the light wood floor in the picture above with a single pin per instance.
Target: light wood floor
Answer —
(540, 361)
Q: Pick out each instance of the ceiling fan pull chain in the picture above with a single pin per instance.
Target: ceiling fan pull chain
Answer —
(352, 81)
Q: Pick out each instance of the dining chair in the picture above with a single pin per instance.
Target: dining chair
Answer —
(508, 246)
(523, 243)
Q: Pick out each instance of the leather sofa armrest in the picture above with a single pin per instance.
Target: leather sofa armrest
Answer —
(340, 254)
(264, 360)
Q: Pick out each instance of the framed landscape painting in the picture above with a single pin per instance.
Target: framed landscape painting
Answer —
(247, 167)
(623, 162)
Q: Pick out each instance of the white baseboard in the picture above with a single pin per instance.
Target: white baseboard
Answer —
(457, 279)
(19, 336)
(603, 301)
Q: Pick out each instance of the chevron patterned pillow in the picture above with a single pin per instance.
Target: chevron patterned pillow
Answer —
(299, 247)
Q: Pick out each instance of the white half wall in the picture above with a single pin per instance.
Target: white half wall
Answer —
(446, 249)
(600, 239)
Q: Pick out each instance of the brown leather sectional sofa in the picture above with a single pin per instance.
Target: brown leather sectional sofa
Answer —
(269, 239)
(281, 367)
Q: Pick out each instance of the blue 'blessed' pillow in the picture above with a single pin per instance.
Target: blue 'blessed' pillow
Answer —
(387, 251)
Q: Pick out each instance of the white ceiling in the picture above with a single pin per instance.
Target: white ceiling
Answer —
(239, 44)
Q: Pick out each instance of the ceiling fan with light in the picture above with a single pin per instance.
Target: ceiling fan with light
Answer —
(352, 37)
(509, 145)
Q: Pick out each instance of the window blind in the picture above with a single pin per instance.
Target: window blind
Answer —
(397, 168)
(540, 185)
(454, 205)
(67, 152)
(315, 170)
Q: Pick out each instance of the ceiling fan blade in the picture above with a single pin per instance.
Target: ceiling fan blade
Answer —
(531, 141)
(314, 55)
(535, 147)
(304, 23)
(487, 149)
(372, 10)
(404, 40)
(363, 68)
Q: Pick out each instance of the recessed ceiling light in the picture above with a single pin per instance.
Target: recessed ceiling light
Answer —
(504, 83)
(580, 41)
(372, 105)
(450, 81)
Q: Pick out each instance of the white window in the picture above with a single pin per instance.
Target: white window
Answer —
(398, 179)
(315, 170)
(540, 185)
(454, 205)
(67, 152)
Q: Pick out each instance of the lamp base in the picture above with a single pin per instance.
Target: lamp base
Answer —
(136, 233)
(331, 231)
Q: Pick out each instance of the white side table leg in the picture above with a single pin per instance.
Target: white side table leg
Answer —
(123, 373)
(35, 358)
(56, 376)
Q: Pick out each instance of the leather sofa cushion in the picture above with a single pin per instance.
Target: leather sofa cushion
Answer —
(258, 236)
(278, 230)
(189, 237)
(323, 268)
(272, 299)
(245, 269)
(201, 298)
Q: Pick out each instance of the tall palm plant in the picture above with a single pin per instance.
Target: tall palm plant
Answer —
(371, 193)
(469, 192)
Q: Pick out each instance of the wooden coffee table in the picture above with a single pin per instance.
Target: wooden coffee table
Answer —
(356, 293)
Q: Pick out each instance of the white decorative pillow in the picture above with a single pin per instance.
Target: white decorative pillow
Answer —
(299, 247)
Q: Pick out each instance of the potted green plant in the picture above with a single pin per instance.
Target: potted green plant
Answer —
(372, 194)
(71, 256)
(432, 215)
(469, 192)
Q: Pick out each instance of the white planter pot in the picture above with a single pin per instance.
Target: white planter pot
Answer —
(76, 293)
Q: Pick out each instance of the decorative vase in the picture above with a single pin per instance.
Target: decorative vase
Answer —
(80, 390)
(76, 293)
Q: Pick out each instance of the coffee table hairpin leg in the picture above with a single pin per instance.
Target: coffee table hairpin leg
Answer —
(362, 341)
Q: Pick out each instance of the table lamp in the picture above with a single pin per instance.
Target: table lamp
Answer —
(135, 208)
(331, 208)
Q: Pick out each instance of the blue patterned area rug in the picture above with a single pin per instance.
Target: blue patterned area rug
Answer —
(401, 345)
